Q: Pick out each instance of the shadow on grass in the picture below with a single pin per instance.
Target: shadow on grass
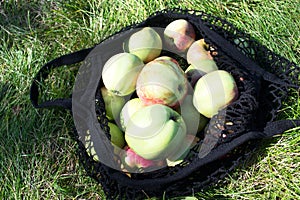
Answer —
(4, 87)
(23, 14)
(31, 145)
(214, 191)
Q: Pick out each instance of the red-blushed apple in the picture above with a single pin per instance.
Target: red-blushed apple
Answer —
(198, 51)
(179, 35)
(162, 81)
(132, 161)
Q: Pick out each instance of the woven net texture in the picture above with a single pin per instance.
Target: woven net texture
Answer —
(256, 90)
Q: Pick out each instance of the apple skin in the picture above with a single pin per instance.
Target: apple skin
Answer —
(198, 51)
(113, 104)
(146, 44)
(214, 91)
(132, 160)
(194, 121)
(204, 66)
(128, 110)
(179, 35)
(162, 81)
(117, 140)
(120, 73)
(193, 75)
(117, 137)
(155, 132)
(188, 143)
(199, 58)
(167, 60)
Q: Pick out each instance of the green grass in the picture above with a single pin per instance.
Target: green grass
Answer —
(37, 156)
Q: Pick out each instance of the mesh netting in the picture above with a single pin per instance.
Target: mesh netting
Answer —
(256, 90)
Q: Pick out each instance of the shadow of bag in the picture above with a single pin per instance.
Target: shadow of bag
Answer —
(264, 80)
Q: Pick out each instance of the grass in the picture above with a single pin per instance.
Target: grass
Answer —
(37, 156)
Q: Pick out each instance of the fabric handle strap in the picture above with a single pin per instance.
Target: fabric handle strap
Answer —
(67, 59)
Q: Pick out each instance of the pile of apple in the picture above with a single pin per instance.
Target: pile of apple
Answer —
(157, 125)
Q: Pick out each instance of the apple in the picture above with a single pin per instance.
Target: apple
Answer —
(132, 160)
(117, 140)
(179, 35)
(155, 132)
(213, 92)
(203, 66)
(120, 73)
(194, 121)
(117, 137)
(193, 75)
(198, 51)
(113, 104)
(146, 44)
(167, 60)
(187, 144)
(128, 110)
(162, 81)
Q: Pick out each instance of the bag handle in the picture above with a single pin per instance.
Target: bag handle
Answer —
(43, 73)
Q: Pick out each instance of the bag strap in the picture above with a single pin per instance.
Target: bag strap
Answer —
(271, 129)
(42, 74)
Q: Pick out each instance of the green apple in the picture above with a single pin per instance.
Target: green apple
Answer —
(120, 73)
(113, 104)
(117, 136)
(189, 142)
(194, 121)
(146, 44)
(203, 66)
(214, 91)
(199, 58)
(128, 110)
(155, 132)
(117, 140)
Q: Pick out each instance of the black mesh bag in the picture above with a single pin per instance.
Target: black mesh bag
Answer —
(264, 81)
